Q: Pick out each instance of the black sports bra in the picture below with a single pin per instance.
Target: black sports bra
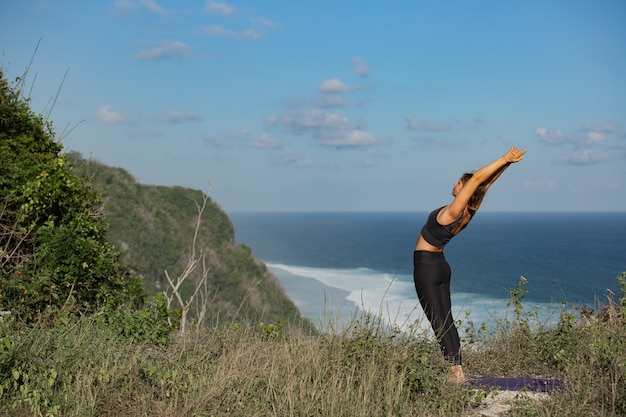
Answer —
(437, 234)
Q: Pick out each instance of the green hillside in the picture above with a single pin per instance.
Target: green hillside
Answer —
(153, 228)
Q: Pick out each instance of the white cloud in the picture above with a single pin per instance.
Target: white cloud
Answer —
(165, 50)
(220, 32)
(216, 141)
(331, 100)
(332, 91)
(588, 157)
(581, 144)
(427, 126)
(349, 138)
(153, 7)
(220, 8)
(552, 136)
(327, 129)
(109, 116)
(242, 138)
(594, 135)
(175, 116)
(264, 22)
(127, 7)
(359, 66)
(593, 138)
(334, 86)
(266, 142)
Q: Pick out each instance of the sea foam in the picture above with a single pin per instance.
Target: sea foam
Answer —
(391, 298)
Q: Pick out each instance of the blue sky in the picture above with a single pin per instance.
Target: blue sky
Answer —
(336, 105)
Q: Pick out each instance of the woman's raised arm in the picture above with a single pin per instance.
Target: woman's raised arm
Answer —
(486, 175)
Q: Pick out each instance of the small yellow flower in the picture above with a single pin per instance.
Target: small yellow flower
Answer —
(25, 291)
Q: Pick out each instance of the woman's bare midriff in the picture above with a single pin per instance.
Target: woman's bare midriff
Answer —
(423, 245)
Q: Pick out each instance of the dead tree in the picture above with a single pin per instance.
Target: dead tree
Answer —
(197, 259)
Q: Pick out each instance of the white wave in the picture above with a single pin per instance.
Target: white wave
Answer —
(371, 291)
(393, 298)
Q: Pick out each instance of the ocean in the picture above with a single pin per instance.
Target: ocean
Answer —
(334, 266)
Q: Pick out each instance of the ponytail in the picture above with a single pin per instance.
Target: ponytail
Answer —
(476, 198)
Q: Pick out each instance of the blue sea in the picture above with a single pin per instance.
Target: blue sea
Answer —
(335, 265)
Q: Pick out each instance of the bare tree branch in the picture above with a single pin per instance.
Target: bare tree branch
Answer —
(201, 290)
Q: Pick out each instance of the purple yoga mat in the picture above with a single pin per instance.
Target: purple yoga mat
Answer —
(515, 383)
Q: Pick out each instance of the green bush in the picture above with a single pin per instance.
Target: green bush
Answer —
(53, 248)
(87, 367)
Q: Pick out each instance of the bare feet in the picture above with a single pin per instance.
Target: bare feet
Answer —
(456, 374)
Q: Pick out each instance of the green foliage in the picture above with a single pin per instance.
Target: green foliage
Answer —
(271, 330)
(422, 371)
(55, 253)
(90, 367)
(365, 341)
(54, 250)
(516, 298)
(41, 365)
(150, 324)
(154, 227)
(585, 348)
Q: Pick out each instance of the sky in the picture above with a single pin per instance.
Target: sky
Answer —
(323, 105)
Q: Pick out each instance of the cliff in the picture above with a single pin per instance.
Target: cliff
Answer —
(153, 228)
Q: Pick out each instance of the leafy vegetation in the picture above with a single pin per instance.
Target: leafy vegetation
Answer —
(154, 226)
(54, 252)
(81, 368)
(76, 235)
(58, 214)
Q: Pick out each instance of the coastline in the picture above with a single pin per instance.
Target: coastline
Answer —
(333, 309)
(327, 307)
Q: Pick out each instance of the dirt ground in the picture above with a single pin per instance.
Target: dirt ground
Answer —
(498, 403)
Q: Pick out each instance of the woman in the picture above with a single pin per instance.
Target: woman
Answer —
(431, 272)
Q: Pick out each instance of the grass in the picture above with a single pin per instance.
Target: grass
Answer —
(82, 368)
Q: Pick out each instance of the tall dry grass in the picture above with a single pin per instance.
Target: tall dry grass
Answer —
(82, 368)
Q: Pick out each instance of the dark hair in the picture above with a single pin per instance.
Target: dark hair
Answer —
(478, 195)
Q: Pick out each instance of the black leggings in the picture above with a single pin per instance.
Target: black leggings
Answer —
(431, 275)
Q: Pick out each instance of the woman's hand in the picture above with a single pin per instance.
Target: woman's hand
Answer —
(514, 155)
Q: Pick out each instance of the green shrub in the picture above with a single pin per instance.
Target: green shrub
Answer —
(87, 367)
(152, 323)
(53, 247)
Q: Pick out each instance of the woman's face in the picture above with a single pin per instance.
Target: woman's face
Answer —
(457, 187)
